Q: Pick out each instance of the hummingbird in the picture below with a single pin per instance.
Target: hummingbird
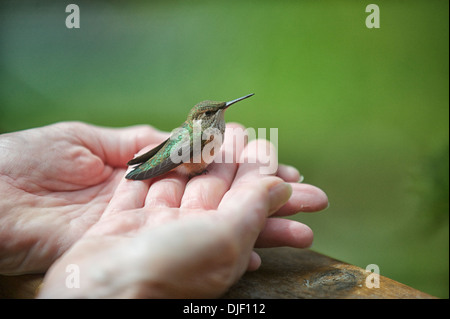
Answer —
(180, 151)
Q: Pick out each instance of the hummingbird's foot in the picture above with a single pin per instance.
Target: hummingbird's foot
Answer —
(204, 172)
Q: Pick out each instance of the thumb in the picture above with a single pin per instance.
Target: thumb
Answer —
(249, 204)
(116, 146)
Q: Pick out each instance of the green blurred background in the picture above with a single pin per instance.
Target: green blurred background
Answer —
(363, 113)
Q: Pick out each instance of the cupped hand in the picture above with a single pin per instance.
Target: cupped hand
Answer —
(55, 182)
(61, 180)
(175, 237)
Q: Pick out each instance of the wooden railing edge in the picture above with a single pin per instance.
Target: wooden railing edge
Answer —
(284, 273)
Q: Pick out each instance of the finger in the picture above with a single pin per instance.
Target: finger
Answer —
(258, 159)
(128, 195)
(116, 146)
(236, 138)
(206, 191)
(255, 262)
(284, 232)
(166, 191)
(248, 205)
(304, 198)
(246, 208)
(289, 173)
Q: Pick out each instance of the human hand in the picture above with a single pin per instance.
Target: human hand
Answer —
(52, 198)
(171, 237)
(56, 181)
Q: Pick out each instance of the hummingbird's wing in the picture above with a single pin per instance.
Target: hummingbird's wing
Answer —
(160, 160)
(145, 157)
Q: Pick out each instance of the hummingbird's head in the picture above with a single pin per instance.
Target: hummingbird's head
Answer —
(206, 111)
(211, 111)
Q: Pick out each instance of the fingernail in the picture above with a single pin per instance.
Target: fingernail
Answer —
(279, 195)
(301, 178)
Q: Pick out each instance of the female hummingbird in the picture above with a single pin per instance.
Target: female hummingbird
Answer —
(180, 151)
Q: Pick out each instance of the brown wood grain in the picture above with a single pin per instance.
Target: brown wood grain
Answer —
(20, 287)
(284, 273)
(303, 273)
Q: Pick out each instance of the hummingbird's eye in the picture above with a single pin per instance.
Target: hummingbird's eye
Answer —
(209, 113)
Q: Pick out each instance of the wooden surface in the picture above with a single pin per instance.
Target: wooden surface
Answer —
(284, 273)
(302, 273)
(20, 287)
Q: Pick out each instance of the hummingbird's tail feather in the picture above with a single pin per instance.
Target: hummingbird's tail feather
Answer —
(146, 170)
(135, 175)
(145, 157)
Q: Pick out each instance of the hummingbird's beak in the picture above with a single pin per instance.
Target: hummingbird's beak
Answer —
(227, 104)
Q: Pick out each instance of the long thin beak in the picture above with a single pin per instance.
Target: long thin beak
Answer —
(237, 100)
